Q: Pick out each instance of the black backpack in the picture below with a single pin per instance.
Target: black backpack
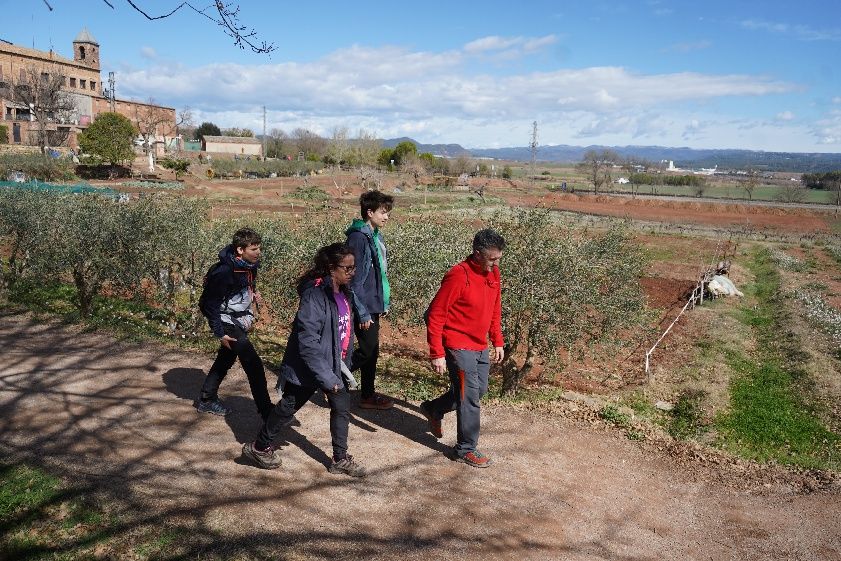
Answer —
(202, 296)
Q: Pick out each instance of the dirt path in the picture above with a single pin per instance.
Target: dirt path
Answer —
(118, 417)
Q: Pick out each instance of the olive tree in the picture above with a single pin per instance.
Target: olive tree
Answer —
(564, 291)
(25, 217)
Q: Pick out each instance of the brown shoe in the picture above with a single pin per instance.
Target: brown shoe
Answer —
(434, 422)
(266, 459)
(347, 466)
(376, 402)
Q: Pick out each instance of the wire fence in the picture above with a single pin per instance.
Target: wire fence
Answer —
(696, 297)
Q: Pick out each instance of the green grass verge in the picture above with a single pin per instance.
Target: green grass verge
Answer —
(40, 519)
(772, 416)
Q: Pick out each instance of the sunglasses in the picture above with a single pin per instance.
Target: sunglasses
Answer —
(347, 268)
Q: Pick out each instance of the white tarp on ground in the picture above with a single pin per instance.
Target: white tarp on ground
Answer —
(722, 286)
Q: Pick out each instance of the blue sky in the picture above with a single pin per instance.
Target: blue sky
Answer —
(713, 74)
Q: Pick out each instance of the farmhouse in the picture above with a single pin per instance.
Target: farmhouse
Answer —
(237, 145)
(81, 80)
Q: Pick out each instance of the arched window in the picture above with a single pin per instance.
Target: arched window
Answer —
(82, 53)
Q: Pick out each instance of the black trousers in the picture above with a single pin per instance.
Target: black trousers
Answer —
(366, 354)
(251, 363)
(294, 397)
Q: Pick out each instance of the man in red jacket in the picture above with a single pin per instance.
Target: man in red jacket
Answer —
(461, 317)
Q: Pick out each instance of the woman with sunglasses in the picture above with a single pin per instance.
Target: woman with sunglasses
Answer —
(321, 340)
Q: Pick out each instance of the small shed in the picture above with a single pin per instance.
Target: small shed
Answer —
(237, 145)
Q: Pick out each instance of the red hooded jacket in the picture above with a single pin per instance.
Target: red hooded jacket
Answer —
(465, 311)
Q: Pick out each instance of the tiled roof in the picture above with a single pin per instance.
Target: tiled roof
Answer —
(85, 36)
(232, 139)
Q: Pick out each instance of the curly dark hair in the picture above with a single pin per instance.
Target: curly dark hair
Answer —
(326, 259)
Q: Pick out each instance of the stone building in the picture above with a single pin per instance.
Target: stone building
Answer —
(81, 79)
(237, 145)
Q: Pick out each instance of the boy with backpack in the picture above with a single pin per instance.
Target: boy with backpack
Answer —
(226, 301)
(372, 292)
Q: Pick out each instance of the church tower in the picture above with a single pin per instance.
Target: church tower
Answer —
(86, 49)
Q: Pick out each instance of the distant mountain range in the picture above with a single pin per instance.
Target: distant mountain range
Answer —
(682, 157)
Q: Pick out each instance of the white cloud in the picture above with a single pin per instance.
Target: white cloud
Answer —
(508, 47)
(836, 99)
(799, 31)
(785, 116)
(492, 43)
(695, 129)
(395, 92)
(828, 129)
(148, 53)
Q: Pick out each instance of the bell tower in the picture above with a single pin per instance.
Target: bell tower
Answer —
(86, 49)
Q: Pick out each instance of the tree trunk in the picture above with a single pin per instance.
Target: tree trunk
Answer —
(84, 293)
(512, 375)
(10, 277)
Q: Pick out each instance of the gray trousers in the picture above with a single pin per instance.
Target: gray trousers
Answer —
(468, 372)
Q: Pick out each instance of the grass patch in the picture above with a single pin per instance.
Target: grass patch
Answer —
(410, 379)
(772, 416)
(613, 415)
(686, 418)
(42, 519)
(127, 318)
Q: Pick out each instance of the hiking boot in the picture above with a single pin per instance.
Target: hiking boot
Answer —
(376, 402)
(434, 422)
(347, 466)
(212, 406)
(475, 459)
(266, 459)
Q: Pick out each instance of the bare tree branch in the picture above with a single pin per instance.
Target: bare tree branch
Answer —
(41, 91)
(226, 16)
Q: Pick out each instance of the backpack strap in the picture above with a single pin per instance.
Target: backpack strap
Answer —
(466, 274)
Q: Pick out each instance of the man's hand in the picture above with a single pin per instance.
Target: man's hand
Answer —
(258, 298)
(499, 354)
(226, 341)
(439, 365)
(366, 324)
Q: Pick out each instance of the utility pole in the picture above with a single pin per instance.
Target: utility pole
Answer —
(264, 132)
(533, 146)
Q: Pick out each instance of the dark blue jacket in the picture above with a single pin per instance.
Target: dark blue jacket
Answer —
(223, 282)
(314, 351)
(367, 283)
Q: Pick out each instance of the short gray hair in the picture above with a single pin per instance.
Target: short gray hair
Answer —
(487, 239)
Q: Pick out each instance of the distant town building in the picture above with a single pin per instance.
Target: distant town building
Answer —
(237, 145)
(82, 80)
